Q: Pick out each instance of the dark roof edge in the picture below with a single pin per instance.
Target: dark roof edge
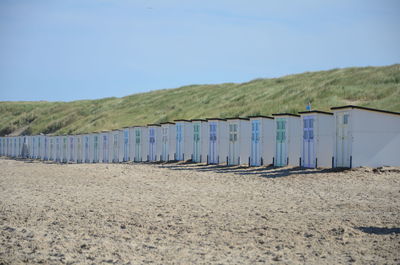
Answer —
(153, 124)
(167, 122)
(215, 119)
(316, 111)
(260, 116)
(237, 118)
(285, 114)
(180, 120)
(198, 120)
(365, 108)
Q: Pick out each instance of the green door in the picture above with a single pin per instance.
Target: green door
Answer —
(281, 154)
(196, 143)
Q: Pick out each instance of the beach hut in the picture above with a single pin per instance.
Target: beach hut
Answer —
(154, 147)
(366, 137)
(262, 148)
(126, 153)
(239, 141)
(106, 146)
(218, 141)
(200, 141)
(1, 145)
(95, 147)
(86, 149)
(184, 140)
(78, 148)
(114, 145)
(288, 139)
(45, 147)
(168, 141)
(139, 144)
(57, 148)
(317, 143)
(71, 148)
(64, 149)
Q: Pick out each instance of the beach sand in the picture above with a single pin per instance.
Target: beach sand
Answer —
(191, 214)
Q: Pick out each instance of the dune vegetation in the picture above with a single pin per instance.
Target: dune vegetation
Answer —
(376, 87)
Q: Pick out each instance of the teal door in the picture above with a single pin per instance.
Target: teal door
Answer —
(281, 145)
(196, 143)
(138, 153)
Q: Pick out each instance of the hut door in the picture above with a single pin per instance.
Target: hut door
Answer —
(233, 144)
(96, 149)
(86, 149)
(342, 140)
(255, 143)
(126, 145)
(179, 142)
(152, 143)
(213, 158)
(105, 149)
(196, 143)
(71, 149)
(281, 156)
(164, 144)
(137, 146)
(308, 159)
(115, 148)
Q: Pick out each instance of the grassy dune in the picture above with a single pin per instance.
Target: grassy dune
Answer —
(377, 87)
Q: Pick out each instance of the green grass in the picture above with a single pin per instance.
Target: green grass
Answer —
(376, 87)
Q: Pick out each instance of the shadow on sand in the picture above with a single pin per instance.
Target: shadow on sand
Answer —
(264, 171)
(379, 230)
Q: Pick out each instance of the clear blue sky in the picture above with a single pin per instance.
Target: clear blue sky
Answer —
(86, 49)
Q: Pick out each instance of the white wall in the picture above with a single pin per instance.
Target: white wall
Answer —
(376, 139)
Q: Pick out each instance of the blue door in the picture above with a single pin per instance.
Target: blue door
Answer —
(126, 145)
(308, 155)
(179, 142)
(105, 149)
(255, 143)
(87, 149)
(152, 145)
(212, 152)
(138, 149)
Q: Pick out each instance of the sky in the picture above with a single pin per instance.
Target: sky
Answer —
(64, 50)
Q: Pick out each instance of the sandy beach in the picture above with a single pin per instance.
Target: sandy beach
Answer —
(191, 214)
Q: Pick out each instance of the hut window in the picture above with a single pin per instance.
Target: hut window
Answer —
(345, 118)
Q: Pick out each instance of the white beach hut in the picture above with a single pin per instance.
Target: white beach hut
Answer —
(105, 146)
(168, 141)
(317, 143)
(154, 147)
(200, 141)
(78, 148)
(114, 145)
(218, 141)
(1, 145)
(71, 149)
(140, 143)
(239, 141)
(64, 148)
(184, 140)
(40, 146)
(366, 137)
(58, 140)
(262, 140)
(126, 144)
(95, 147)
(86, 149)
(45, 147)
(288, 139)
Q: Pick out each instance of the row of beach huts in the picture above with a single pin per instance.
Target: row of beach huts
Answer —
(349, 136)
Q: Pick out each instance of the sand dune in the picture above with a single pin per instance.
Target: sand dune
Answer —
(188, 214)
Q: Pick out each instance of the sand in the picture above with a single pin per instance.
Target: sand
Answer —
(190, 214)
